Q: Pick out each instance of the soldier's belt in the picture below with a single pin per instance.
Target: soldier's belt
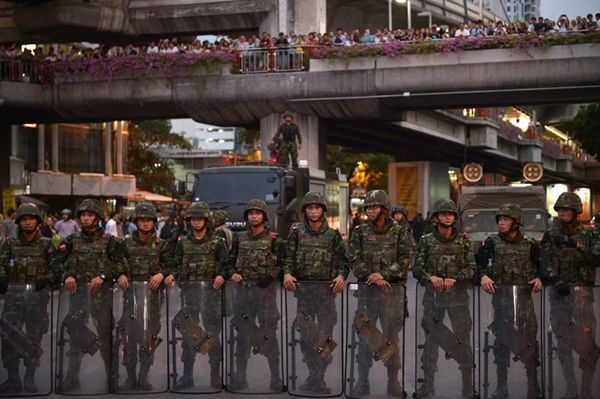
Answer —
(19, 340)
(319, 341)
(193, 334)
(383, 349)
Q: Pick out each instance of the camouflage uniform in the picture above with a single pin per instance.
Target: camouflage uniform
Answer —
(28, 262)
(220, 218)
(316, 256)
(570, 255)
(286, 136)
(385, 251)
(87, 255)
(143, 259)
(406, 231)
(198, 260)
(258, 259)
(512, 261)
(453, 258)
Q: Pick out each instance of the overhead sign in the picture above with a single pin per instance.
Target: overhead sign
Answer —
(473, 172)
(533, 172)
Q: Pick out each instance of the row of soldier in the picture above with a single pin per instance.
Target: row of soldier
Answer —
(380, 254)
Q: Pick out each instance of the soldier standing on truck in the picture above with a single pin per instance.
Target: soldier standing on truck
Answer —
(285, 137)
(509, 258)
(443, 259)
(570, 255)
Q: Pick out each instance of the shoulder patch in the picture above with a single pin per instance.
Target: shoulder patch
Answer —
(179, 238)
(62, 246)
(42, 238)
(104, 234)
(158, 240)
(274, 235)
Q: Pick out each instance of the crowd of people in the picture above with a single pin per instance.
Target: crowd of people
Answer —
(340, 37)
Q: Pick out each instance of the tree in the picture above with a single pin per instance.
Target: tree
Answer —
(152, 172)
(586, 127)
(367, 169)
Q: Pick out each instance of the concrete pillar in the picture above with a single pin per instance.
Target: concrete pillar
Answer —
(14, 141)
(41, 153)
(300, 16)
(313, 144)
(108, 148)
(119, 148)
(55, 146)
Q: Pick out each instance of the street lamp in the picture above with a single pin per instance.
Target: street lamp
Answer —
(407, 12)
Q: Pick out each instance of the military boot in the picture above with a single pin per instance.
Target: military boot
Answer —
(238, 382)
(393, 385)
(362, 386)
(533, 388)
(571, 392)
(275, 384)
(71, 381)
(143, 382)
(501, 391)
(29, 380)
(215, 376)
(13, 382)
(587, 378)
(320, 386)
(467, 382)
(187, 379)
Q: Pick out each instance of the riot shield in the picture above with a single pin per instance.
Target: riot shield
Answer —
(254, 336)
(375, 336)
(140, 356)
(444, 342)
(84, 341)
(195, 317)
(571, 325)
(509, 337)
(25, 341)
(314, 340)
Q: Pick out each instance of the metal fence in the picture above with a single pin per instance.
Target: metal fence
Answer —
(22, 70)
(274, 59)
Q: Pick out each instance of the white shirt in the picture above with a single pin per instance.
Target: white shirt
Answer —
(111, 228)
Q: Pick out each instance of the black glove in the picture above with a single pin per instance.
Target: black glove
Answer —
(3, 285)
(264, 281)
(561, 288)
(42, 283)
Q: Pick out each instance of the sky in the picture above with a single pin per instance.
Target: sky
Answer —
(553, 8)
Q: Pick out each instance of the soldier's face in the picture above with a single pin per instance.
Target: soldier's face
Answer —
(566, 215)
(145, 225)
(89, 220)
(255, 217)
(505, 224)
(398, 216)
(314, 212)
(373, 212)
(198, 224)
(28, 224)
(288, 119)
(446, 218)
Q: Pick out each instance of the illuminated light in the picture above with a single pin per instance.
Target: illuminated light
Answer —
(30, 125)
(556, 132)
(552, 193)
(519, 184)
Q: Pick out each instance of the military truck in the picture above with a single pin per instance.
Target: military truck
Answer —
(478, 206)
(231, 187)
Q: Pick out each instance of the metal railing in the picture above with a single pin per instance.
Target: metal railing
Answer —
(274, 59)
(22, 70)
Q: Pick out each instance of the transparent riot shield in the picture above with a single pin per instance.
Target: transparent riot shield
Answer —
(84, 340)
(572, 345)
(25, 341)
(314, 340)
(375, 336)
(140, 356)
(195, 337)
(509, 342)
(254, 336)
(444, 342)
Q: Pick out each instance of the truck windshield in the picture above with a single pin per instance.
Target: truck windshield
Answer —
(237, 187)
(485, 221)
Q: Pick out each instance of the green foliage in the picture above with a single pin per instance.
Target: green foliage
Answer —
(153, 173)
(586, 126)
(371, 173)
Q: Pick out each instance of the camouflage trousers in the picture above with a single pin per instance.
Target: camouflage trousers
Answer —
(29, 310)
(198, 303)
(505, 320)
(288, 150)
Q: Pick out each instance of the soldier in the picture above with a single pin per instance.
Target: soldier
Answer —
(201, 255)
(400, 217)
(443, 259)
(91, 258)
(379, 255)
(315, 252)
(28, 258)
(147, 258)
(256, 257)
(570, 254)
(285, 137)
(220, 218)
(509, 258)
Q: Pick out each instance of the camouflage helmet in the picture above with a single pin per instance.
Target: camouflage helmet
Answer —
(198, 210)
(569, 201)
(259, 205)
(377, 198)
(220, 216)
(90, 205)
(444, 205)
(512, 211)
(399, 208)
(28, 209)
(288, 113)
(314, 197)
(145, 210)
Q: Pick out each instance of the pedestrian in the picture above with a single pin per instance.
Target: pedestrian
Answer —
(315, 252)
(111, 224)
(10, 227)
(66, 226)
(286, 136)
